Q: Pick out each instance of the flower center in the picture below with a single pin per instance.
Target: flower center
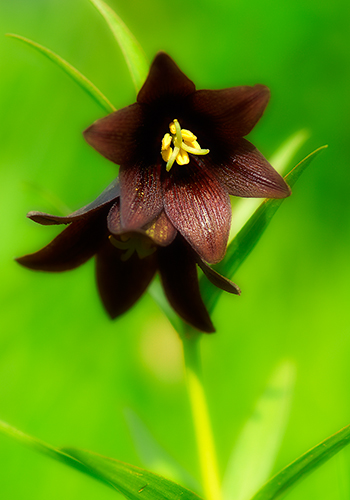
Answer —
(177, 145)
(132, 244)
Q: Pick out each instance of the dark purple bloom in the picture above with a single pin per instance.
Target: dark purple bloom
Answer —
(163, 168)
(126, 261)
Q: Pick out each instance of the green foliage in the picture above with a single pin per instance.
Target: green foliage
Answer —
(133, 53)
(73, 73)
(39, 340)
(282, 482)
(241, 246)
(127, 479)
(131, 481)
(259, 442)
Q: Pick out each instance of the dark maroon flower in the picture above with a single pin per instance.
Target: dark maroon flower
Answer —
(164, 168)
(126, 261)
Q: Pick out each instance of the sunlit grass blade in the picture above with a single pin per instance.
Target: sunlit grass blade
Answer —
(281, 161)
(46, 449)
(283, 156)
(255, 452)
(127, 479)
(153, 456)
(73, 73)
(131, 481)
(132, 50)
(244, 242)
(288, 477)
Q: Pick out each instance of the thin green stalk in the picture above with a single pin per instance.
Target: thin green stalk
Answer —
(201, 420)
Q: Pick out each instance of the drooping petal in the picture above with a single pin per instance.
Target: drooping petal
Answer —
(178, 273)
(116, 136)
(121, 283)
(71, 248)
(230, 112)
(160, 230)
(245, 172)
(141, 195)
(110, 194)
(217, 279)
(199, 208)
(165, 80)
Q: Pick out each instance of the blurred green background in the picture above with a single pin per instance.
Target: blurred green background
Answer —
(69, 375)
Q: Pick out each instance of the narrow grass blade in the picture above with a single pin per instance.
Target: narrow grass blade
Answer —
(132, 50)
(127, 479)
(249, 235)
(281, 161)
(131, 481)
(283, 156)
(46, 449)
(288, 477)
(254, 455)
(73, 73)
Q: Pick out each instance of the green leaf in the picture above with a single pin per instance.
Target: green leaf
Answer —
(132, 50)
(284, 155)
(244, 208)
(254, 455)
(127, 479)
(46, 449)
(282, 482)
(244, 242)
(73, 73)
(131, 480)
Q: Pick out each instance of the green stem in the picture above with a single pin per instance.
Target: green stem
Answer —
(201, 420)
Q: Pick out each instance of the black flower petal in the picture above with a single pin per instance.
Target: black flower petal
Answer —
(71, 248)
(160, 230)
(199, 208)
(165, 80)
(217, 279)
(141, 195)
(115, 136)
(122, 283)
(231, 112)
(110, 194)
(245, 172)
(178, 273)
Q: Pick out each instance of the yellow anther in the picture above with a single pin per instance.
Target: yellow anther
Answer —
(172, 128)
(187, 135)
(182, 158)
(183, 142)
(166, 153)
(166, 141)
(193, 144)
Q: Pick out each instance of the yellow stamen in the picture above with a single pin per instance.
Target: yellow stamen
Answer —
(184, 142)
(166, 154)
(193, 144)
(182, 158)
(166, 141)
(187, 135)
(172, 128)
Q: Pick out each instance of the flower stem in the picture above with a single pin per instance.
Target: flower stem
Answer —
(201, 420)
